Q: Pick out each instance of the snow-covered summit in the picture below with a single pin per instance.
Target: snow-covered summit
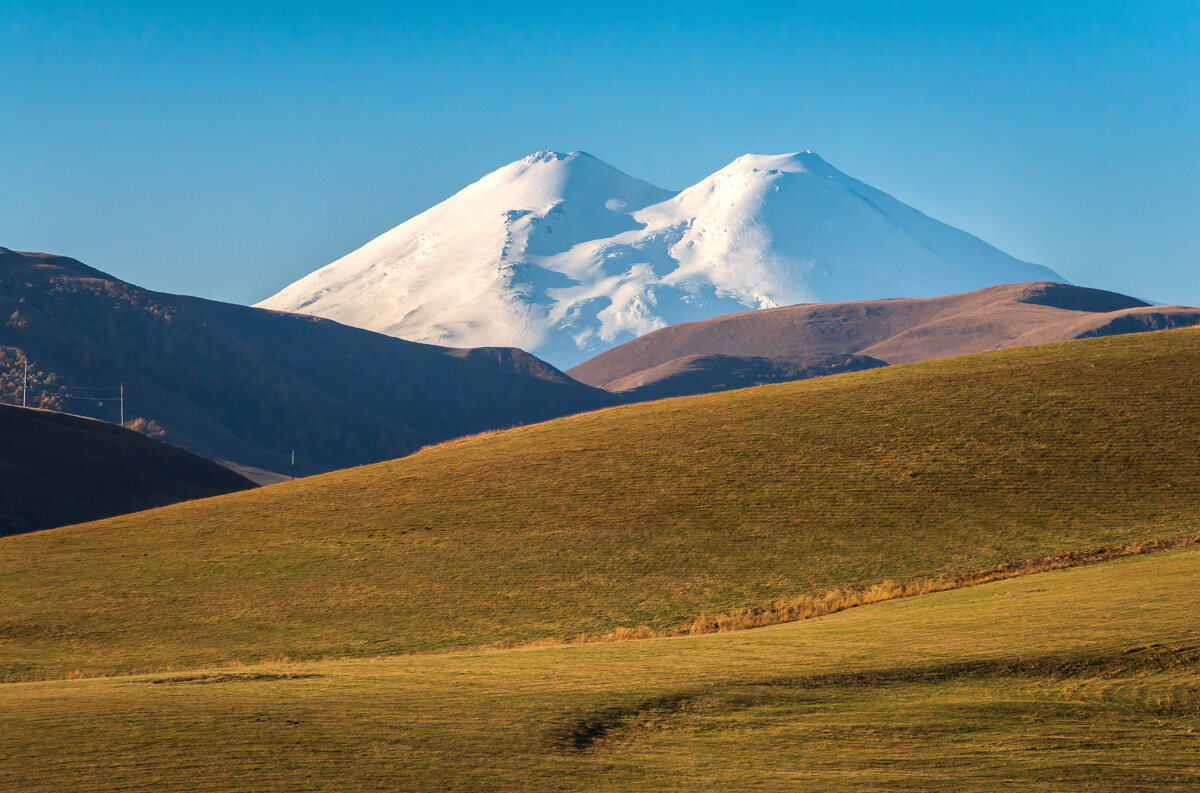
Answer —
(565, 256)
(796, 162)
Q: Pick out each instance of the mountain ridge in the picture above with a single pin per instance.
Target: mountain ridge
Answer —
(893, 331)
(246, 386)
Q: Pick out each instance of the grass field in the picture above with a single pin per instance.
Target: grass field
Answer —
(1079, 679)
(641, 515)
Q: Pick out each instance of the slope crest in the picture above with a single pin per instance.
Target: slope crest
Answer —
(1078, 298)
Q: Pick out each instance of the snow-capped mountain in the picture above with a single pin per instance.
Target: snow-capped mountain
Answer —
(565, 256)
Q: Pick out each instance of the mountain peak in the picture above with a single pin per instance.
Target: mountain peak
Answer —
(546, 177)
(795, 162)
(545, 155)
(548, 156)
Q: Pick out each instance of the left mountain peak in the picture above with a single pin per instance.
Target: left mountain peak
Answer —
(545, 155)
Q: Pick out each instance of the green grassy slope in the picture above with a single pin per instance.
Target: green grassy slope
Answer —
(1081, 679)
(646, 514)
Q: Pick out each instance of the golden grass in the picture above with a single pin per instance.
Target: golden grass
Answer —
(1074, 679)
(803, 607)
(793, 609)
(645, 515)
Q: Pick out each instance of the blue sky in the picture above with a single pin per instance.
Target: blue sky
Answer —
(227, 149)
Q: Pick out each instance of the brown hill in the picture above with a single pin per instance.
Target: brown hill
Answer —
(245, 386)
(57, 469)
(893, 331)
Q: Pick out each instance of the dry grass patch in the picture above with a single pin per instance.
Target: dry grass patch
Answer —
(803, 607)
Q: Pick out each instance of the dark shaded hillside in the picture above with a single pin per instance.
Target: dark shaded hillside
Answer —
(894, 331)
(245, 385)
(57, 469)
(702, 374)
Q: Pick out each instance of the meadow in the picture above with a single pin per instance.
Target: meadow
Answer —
(641, 518)
(1077, 679)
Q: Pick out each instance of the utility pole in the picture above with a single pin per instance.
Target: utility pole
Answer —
(293, 463)
(24, 384)
(122, 404)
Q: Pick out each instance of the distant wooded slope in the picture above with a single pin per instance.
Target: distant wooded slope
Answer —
(246, 386)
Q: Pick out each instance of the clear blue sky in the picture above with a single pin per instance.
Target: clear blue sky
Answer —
(226, 149)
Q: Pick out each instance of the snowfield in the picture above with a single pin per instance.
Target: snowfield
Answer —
(565, 256)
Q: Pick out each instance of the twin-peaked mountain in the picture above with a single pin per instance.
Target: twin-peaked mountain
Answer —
(564, 256)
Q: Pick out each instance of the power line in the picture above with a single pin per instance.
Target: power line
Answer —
(58, 391)
(178, 423)
(92, 387)
(117, 393)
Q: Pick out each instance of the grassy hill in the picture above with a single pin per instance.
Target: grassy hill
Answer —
(1081, 679)
(640, 515)
(57, 469)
